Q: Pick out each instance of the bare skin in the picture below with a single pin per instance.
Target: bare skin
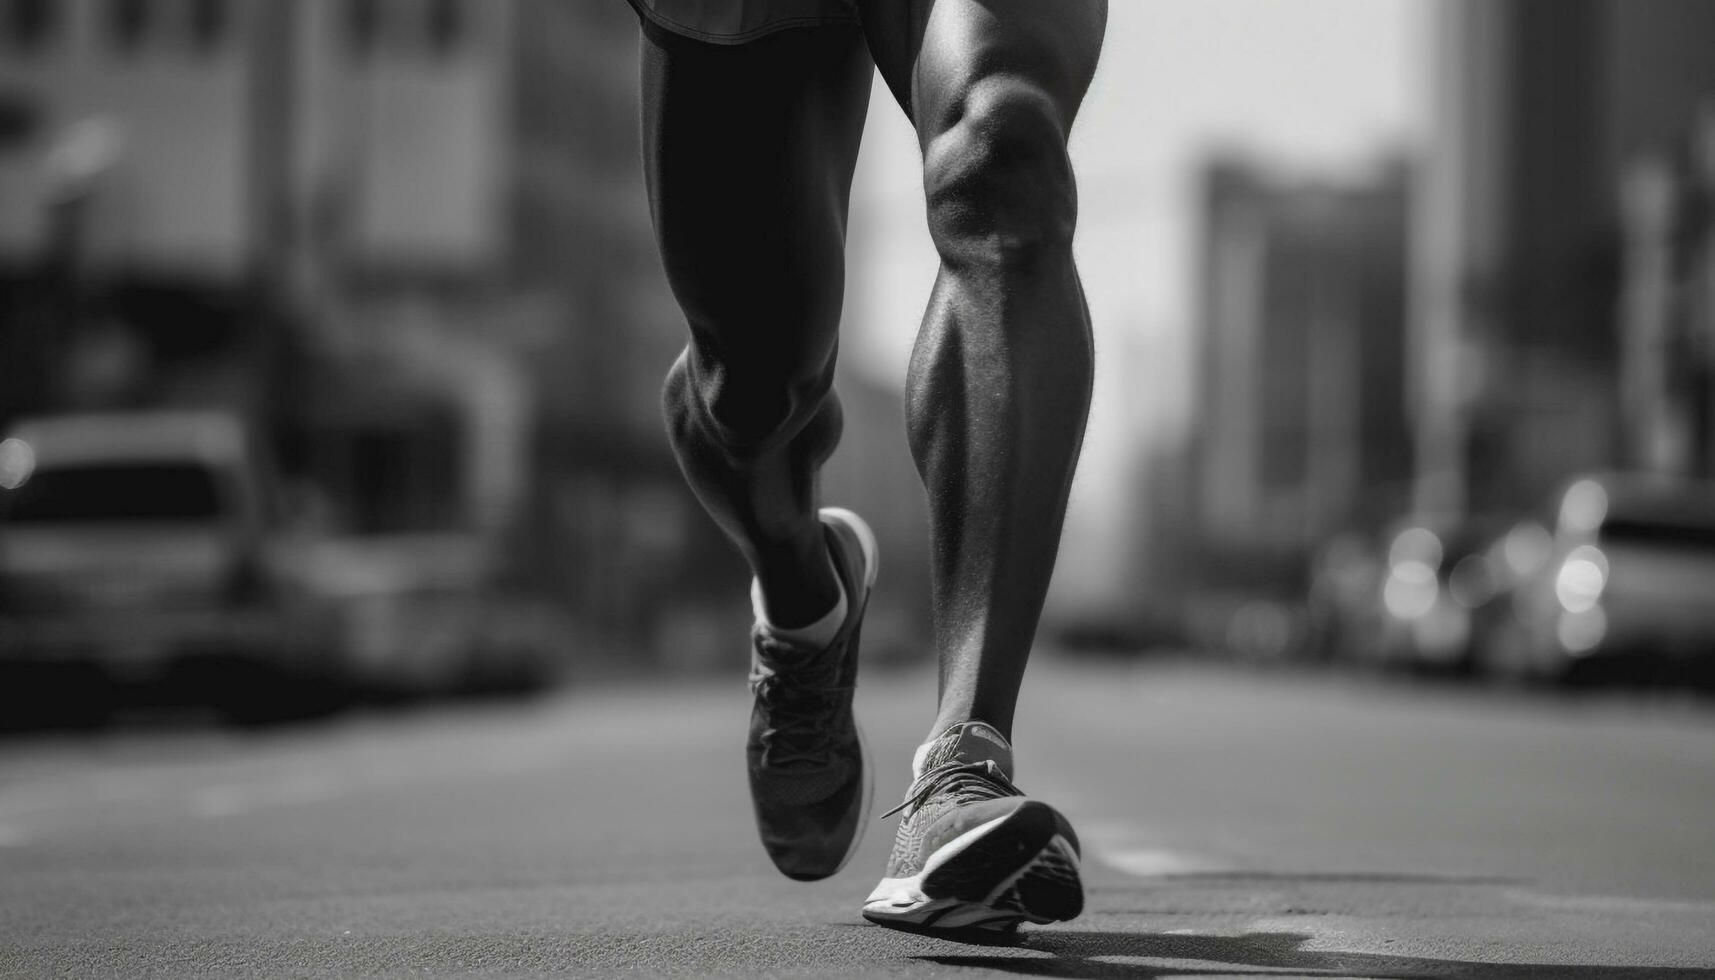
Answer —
(999, 385)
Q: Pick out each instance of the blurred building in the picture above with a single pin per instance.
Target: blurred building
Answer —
(1541, 107)
(193, 174)
(125, 225)
(406, 238)
(1301, 365)
(143, 107)
(1667, 304)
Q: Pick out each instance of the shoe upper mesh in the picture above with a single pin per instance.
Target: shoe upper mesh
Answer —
(959, 770)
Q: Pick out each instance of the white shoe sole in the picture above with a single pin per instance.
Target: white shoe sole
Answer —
(868, 801)
(976, 881)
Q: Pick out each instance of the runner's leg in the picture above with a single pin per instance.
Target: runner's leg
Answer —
(748, 153)
(999, 385)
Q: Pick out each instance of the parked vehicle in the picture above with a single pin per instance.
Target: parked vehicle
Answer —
(418, 614)
(143, 550)
(1425, 597)
(1632, 579)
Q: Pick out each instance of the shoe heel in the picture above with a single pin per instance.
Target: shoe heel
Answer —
(1049, 890)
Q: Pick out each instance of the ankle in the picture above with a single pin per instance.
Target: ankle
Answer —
(949, 719)
(808, 607)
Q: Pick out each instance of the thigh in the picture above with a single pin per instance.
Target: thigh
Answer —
(748, 154)
(932, 53)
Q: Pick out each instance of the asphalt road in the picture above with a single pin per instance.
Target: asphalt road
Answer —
(1235, 825)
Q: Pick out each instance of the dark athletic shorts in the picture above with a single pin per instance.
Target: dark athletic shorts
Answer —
(737, 21)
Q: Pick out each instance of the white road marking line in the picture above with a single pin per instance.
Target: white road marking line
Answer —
(1128, 848)
(1156, 862)
(233, 799)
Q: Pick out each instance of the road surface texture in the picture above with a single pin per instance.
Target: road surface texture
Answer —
(1235, 824)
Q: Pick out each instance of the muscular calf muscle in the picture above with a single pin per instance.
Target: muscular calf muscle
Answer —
(999, 386)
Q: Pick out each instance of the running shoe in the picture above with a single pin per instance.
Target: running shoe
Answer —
(809, 777)
(973, 852)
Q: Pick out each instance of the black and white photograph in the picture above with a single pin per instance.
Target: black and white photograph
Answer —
(838, 489)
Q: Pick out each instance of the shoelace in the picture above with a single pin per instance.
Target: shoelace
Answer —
(799, 702)
(968, 782)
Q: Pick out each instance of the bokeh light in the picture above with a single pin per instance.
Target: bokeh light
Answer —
(17, 462)
(1581, 579)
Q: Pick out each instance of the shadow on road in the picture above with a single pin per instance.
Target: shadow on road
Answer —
(1079, 954)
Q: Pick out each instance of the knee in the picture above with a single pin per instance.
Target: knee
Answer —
(736, 413)
(998, 181)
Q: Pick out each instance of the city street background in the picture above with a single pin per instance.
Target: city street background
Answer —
(355, 618)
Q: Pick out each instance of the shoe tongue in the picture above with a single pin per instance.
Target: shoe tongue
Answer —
(972, 741)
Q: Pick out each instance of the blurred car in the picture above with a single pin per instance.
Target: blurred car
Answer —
(1342, 602)
(417, 614)
(1425, 598)
(1631, 577)
(142, 547)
